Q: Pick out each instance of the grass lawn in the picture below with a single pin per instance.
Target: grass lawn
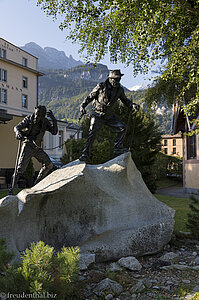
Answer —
(181, 206)
(166, 182)
(4, 193)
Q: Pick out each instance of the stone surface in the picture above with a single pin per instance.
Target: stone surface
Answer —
(105, 209)
(114, 267)
(196, 261)
(130, 263)
(169, 257)
(138, 287)
(86, 260)
(108, 286)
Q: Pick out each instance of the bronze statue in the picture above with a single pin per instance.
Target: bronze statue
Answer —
(31, 131)
(104, 95)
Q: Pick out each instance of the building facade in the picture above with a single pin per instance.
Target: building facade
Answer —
(18, 80)
(172, 144)
(18, 98)
(191, 163)
(54, 144)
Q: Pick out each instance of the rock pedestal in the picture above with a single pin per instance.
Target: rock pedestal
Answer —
(104, 209)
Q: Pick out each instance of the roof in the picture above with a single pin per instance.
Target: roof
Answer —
(18, 47)
(21, 66)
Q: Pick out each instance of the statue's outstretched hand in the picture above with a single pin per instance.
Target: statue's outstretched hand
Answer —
(19, 136)
(50, 114)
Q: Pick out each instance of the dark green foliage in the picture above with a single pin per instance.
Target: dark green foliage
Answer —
(42, 270)
(166, 165)
(5, 256)
(73, 150)
(164, 122)
(193, 217)
(143, 138)
(10, 278)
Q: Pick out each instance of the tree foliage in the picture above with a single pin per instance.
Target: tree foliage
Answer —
(193, 217)
(139, 32)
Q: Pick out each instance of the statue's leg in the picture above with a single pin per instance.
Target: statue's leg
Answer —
(120, 130)
(95, 124)
(47, 165)
(27, 153)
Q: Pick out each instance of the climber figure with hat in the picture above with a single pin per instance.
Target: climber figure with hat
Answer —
(103, 97)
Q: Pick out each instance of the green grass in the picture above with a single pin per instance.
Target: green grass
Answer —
(181, 206)
(166, 182)
(5, 192)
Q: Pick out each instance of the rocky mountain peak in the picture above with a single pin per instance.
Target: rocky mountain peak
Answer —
(50, 58)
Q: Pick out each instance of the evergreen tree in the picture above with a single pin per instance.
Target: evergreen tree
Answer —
(193, 217)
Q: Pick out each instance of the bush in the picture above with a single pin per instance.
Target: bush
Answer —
(42, 271)
(166, 165)
(193, 217)
(73, 150)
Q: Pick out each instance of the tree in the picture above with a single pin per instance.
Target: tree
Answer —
(143, 138)
(193, 217)
(138, 32)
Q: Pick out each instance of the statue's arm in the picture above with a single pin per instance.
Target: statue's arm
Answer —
(52, 128)
(93, 95)
(18, 129)
(124, 99)
(128, 102)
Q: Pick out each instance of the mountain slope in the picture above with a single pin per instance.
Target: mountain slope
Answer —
(50, 58)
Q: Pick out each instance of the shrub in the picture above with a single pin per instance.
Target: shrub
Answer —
(5, 256)
(193, 217)
(42, 271)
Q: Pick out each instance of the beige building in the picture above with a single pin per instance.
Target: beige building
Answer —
(18, 80)
(191, 163)
(54, 144)
(172, 144)
(18, 97)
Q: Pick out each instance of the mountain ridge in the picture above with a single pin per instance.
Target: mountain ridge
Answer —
(50, 58)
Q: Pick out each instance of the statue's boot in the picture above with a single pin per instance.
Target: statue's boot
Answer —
(43, 172)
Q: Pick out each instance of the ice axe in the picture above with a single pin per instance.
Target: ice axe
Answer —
(10, 191)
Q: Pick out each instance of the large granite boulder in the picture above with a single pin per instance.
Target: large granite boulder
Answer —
(105, 209)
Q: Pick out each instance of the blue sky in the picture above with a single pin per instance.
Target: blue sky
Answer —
(21, 22)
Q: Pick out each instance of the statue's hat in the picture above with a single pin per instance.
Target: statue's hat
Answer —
(115, 74)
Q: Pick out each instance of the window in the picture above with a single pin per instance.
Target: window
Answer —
(3, 75)
(24, 101)
(191, 147)
(3, 53)
(61, 139)
(165, 151)
(25, 82)
(24, 61)
(174, 142)
(165, 142)
(174, 150)
(3, 96)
